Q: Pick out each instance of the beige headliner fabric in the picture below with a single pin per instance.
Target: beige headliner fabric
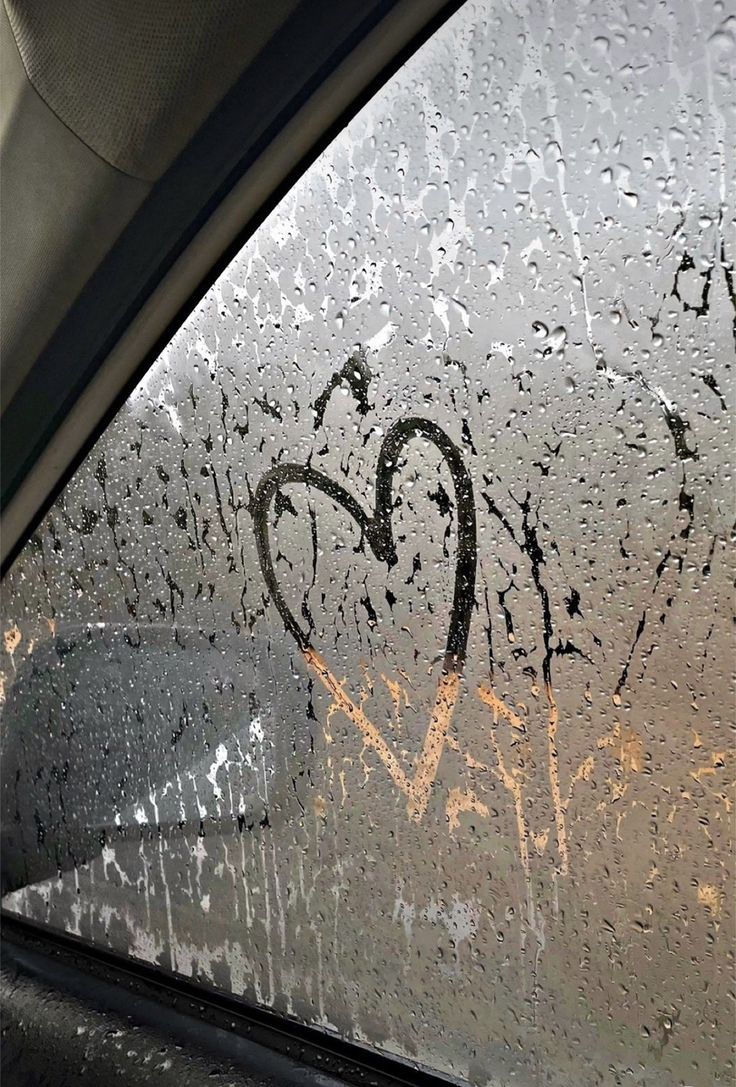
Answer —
(61, 208)
(135, 79)
(98, 96)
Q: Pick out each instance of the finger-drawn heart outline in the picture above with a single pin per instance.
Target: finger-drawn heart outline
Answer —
(377, 530)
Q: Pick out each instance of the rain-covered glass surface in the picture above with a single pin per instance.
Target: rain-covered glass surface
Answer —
(376, 663)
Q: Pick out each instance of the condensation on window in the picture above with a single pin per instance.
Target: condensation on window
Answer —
(376, 664)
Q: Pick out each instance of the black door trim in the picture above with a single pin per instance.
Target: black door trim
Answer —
(118, 984)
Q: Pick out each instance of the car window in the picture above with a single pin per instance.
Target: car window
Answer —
(375, 664)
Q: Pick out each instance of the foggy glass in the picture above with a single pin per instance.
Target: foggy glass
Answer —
(376, 665)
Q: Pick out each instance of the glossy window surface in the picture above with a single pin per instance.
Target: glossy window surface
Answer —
(376, 664)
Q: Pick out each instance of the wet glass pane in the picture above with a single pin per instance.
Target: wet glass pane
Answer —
(376, 665)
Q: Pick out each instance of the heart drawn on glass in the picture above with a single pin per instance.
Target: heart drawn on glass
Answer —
(377, 529)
